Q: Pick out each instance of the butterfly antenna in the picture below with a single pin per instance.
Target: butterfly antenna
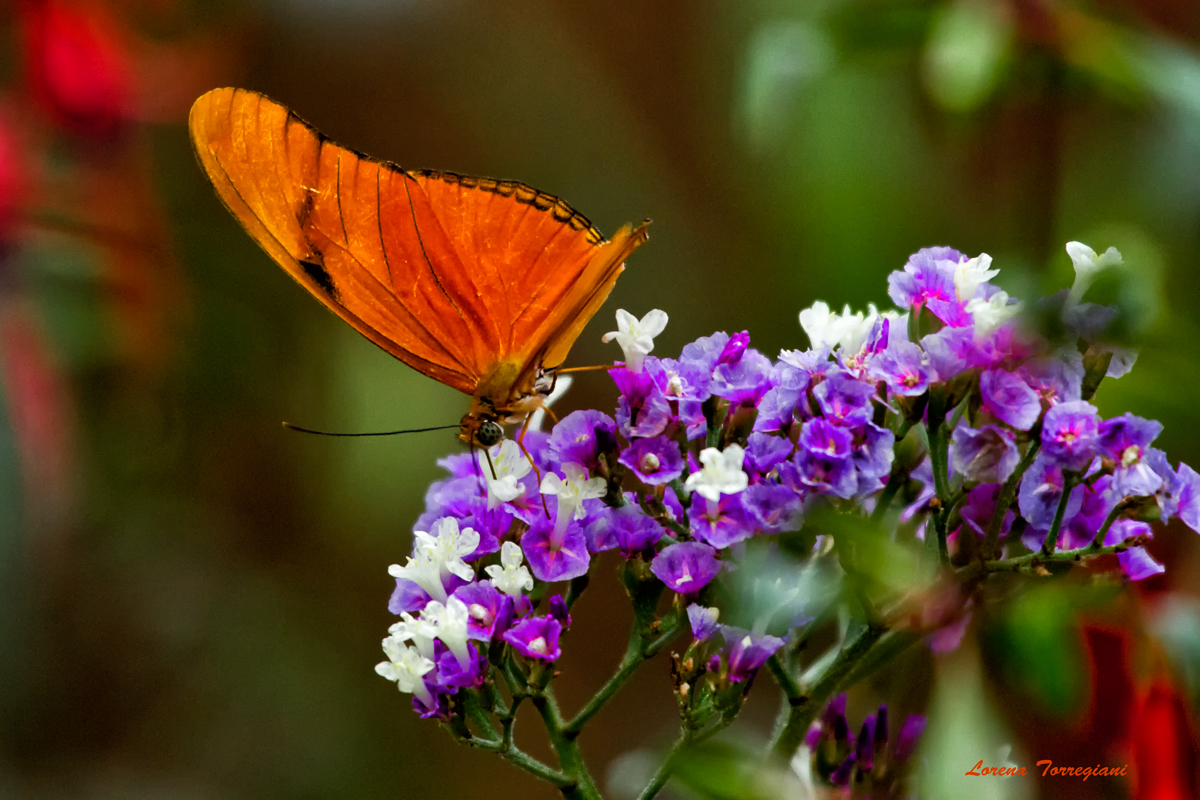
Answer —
(292, 427)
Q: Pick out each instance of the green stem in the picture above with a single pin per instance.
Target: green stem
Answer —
(1029, 563)
(805, 707)
(1059, 513)
(784, 677)
(535, 767)
(663, 774)
(895, 480)
(570, 760)
(1007, 493)
(477, 714)
(1098, 542)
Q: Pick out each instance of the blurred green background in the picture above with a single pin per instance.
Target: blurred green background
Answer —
(194, 598)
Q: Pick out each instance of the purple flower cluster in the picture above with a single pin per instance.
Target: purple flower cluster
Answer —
(724, 444)
(869, 762)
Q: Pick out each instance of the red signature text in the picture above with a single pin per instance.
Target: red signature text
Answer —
(980, 769)
(1081, 772)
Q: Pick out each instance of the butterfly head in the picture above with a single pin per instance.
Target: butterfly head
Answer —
(480, 431)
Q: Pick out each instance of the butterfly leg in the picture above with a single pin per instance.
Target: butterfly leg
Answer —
(544, 407)
(492, 466)
(537, 472)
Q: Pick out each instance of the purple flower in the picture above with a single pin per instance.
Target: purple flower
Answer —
(904, 367)
(928, 275)
(536, 638)
(841, 775)
(864, 755)
(1186, 496)
(745, 381)
(655, 460)
(1135, 562)
(703, 621)
(453, 497)
(1138, 564)
(845, 399)
(633, 531)
(779, 405)
(641, 409)
(680, 380)
(582, 437)
(873, 454)
(952, 351)
(409, 597)
(492, 525)
(1009, 399)
(722, 523)
(1081, 528)
(451, 676)
(552, 555)
(813, 363)
(705, 352)
(559, 610)
(1040, 491)
(764, 452)
(745, 652)
(987, 455)
(484, 605)
(979, 508)
(773, 507)
(1125, 439)
(823, 463)
(461, 465)
(908, 738)
(1056, 380)
(440, 709)
(686, 568)
(733, 350)
(1070, 434)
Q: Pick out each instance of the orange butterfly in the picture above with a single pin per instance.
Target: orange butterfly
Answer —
(481, 284)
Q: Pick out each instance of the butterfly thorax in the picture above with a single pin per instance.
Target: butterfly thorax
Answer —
(508, 394)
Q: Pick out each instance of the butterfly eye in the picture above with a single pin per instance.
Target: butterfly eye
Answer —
(489, 433)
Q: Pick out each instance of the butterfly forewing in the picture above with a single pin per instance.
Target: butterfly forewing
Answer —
(453, 275)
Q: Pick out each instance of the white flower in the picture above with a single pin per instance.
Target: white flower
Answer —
(992, 313)
(722, 473)
(435, 557)
(826, 328)
(573, 490)
(511, 465)
(418, 630)
(971, 274)
(636, 337)
(1087, 266)
(847, 331)
(450, 620)
(1123, 359)
(406, 667)
(510, 576)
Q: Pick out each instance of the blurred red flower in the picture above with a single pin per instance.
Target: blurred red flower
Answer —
(1163, 748)
(77, 65)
